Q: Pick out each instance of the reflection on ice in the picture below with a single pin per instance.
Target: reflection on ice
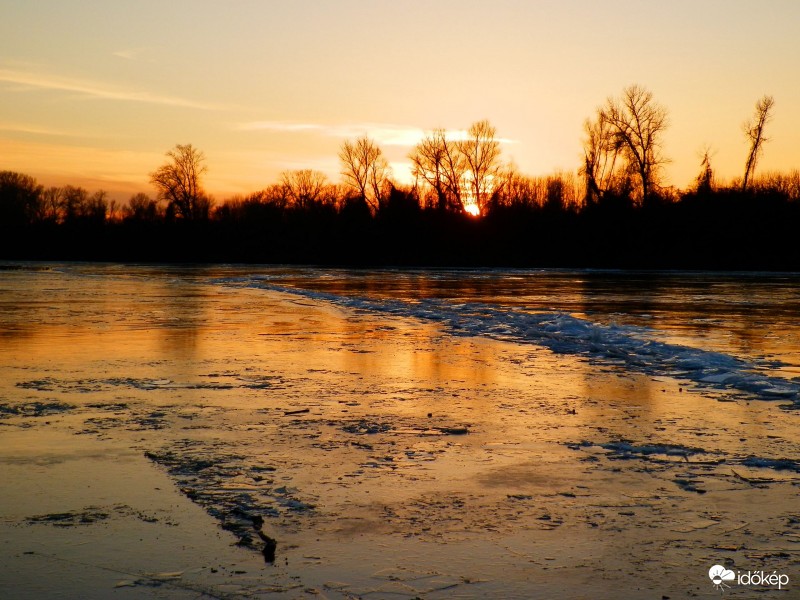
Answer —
(633, 347)
(85, 386)
(385, 438)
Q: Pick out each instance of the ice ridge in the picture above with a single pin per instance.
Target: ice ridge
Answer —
(632, 347)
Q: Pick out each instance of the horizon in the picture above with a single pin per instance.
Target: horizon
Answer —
(267, 88)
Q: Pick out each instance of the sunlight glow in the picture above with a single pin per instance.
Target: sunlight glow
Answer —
(472, 209)
(147, 86)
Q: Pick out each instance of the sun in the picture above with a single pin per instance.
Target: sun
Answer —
(473, 210)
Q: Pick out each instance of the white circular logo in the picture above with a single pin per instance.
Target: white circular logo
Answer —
(719, 575)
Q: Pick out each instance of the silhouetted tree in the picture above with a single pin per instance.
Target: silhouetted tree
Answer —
(97, 207)
(637, 123)
(78, 206)
(51, 204)
(114, 209)
(306, 188)
(427, 162)
(276, 196)
(179, 183)
(439, 163)
(364, 169)
(401, 208)
(559, 192)
(754, 130)
(785, 184)
(705, 180)
(481, 154)
(556, 199)
(601, 151)
(74, 201)
(515, 189)
(20, 197)
(141, 207)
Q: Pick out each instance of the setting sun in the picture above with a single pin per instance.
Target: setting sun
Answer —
(472, 209)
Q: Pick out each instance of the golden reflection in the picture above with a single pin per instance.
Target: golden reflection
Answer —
(260, 378)
(405, 350)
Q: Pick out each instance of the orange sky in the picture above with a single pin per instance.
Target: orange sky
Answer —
(94, 93)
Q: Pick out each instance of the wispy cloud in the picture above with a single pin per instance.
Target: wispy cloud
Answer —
(280, 126)
(463, 134)
(130, 53)
(30, 80)
(383, 133)
(31, 129)
(390, 135)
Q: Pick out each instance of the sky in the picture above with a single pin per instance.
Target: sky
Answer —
(94, 93)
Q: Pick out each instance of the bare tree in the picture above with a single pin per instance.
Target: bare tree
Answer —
(637, 123)
(276, 196)
(305, 188)
(114, 210)
(20, 198)
(52, 204)
(97, 207)
(515, 189)
(455, 168)
(463, 174)
(438, 162)
(754, 130)
(378, 176)
(364, 169)
(705, 179)
(141, 208)
(74, 200)
(427, 162)
(179, 183)
(481, 153)
(601, 151)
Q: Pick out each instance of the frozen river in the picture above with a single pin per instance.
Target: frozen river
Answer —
(400, 433)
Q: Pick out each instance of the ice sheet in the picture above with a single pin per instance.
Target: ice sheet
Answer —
(632, 347)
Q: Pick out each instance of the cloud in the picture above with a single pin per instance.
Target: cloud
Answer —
(29, 80)
(390, 135)
(31, 129)
(383, 133)
(279, 126)
(130, 53)
(386, 134)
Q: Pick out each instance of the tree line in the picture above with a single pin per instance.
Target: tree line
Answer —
(464, 206)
